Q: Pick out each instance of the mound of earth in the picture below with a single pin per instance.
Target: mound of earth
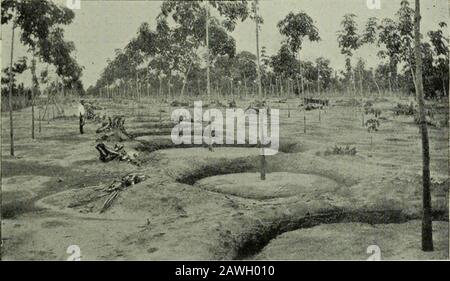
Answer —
(203, 152)
(276, 185)
(351, 241)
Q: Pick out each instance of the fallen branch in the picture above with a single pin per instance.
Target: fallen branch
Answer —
(116, 187)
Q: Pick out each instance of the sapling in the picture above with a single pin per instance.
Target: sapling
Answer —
(212, 135)
(372, 126)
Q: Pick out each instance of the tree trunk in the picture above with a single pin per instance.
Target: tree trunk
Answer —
(376, 84)
(185, 80)
(258, 71)
(281, 87)
(444, 93)
(208, 89)
(245, 86)
(160, 87)
(390, 82)
(137, 86)
(353, 83)
(33, 89)
(258, 65)
(318, 80)
(169, 78)
(361, 82)
(11, 127)
(427, 227)
(413, 76)
(301, 75)
(40, 117)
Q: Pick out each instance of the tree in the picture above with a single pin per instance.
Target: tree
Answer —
(57, 51)
(427, 227)
(241, 68)
(284, 63)
(18, 67)
(441, 52)
(369, 35)
(296, 27)
(324, 73)
(257, 20)
(349, 41)
(188, 15)
(405, 25)
(11, 126)
(36, 19)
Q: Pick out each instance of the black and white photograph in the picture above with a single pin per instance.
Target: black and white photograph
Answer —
(210, 130)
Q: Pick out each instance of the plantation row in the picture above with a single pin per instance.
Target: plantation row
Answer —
(170, 60)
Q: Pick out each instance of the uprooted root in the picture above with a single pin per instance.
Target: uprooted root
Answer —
(118, 152)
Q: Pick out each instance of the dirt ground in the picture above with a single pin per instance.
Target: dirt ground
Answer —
(201, 204)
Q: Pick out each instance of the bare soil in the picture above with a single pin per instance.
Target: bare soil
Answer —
(198, 204)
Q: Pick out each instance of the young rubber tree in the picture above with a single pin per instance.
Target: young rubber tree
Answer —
(370, 36)
(258, 21)
(296, 28)
(405, 17)
(427, 227)
(349, 41)
(390, 38)
(187, 13)
(441, 52)
(36, 20)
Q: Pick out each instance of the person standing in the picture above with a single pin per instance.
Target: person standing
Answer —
(81, 112)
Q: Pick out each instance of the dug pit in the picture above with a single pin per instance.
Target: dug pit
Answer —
(354, 241)
(276, 185)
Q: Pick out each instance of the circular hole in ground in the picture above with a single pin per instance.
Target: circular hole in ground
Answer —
(254, 243)
(151, 143)
(276, 185)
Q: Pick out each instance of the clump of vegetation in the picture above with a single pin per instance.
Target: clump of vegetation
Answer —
(368, 104)
(341, 150)
(435, 117)
(176, 103)
(232, 104)
(369, 109)
(372, 125)
(439, 121)
(217, 104)
(312, 106)
(349, 102)
(404, 109)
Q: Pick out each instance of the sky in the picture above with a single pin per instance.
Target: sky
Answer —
(102, 26)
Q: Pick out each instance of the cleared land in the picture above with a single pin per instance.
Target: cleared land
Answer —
(198, 204)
